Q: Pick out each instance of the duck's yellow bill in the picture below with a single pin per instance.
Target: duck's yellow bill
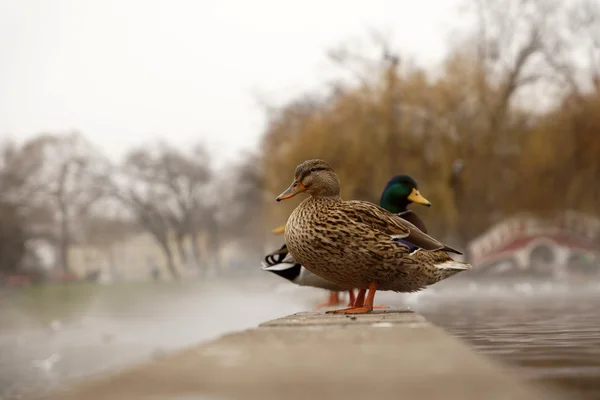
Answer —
(416, 197)
(279, 230)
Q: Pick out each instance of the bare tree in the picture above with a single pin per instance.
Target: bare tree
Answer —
(573, 48)
(185, 178)
(13, 237)
(106, 227)
(22, 217)
(143, 200)
(509, 42)
(71, 178)
(164, 187)
(244, 222)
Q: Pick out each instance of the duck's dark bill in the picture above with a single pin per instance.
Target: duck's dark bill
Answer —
(295, 188)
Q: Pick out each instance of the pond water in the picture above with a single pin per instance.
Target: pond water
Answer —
(550, 333)
(52, 335)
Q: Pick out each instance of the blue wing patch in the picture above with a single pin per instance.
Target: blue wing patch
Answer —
(408, 244)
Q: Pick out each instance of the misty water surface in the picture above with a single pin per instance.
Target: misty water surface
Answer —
(52, 335)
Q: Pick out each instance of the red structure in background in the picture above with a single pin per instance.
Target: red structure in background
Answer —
(527, 242)
(26, 279)
(18, 280)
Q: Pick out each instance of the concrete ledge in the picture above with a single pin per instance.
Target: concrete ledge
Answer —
(389, 354)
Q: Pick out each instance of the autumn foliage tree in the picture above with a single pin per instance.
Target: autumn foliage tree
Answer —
(507, 104)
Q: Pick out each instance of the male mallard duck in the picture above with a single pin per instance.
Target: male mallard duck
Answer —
(281, 263)
(399, 192)
(357, 244)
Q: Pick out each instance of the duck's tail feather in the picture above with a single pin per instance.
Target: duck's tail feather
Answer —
(449, 249)
(278, 256)
(279, 267)
(454, 265)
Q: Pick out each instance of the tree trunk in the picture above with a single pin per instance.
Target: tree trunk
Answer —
(215, 247)
(64, 240)
(170, 264)
(112, 262)
(63, 206)
(195, 249)
(181, 250)
(156, 226)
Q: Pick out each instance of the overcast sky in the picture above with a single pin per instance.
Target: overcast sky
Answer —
(128, 71)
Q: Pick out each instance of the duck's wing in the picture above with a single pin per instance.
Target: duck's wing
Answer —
(413, 218)
(393, 225)
(423, 240)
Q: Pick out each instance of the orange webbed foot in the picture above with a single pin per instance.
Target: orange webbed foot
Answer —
(360, 306)
(352, 310)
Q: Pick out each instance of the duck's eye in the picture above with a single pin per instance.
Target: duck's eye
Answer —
(313, 169)
(295, 184)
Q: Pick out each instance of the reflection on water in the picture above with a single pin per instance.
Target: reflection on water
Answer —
(52, 335)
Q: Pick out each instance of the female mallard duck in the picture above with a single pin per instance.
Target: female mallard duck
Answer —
(399, 192)
(281, 263)
(357, 244)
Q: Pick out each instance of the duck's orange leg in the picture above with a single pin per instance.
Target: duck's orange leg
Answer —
(359, 300)
(334, 300)
(365, 308)
(352, 298)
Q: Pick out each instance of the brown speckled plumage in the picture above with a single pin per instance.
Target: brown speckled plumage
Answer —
(352, 243)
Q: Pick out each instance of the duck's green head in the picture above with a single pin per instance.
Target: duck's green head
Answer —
(399, 192)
